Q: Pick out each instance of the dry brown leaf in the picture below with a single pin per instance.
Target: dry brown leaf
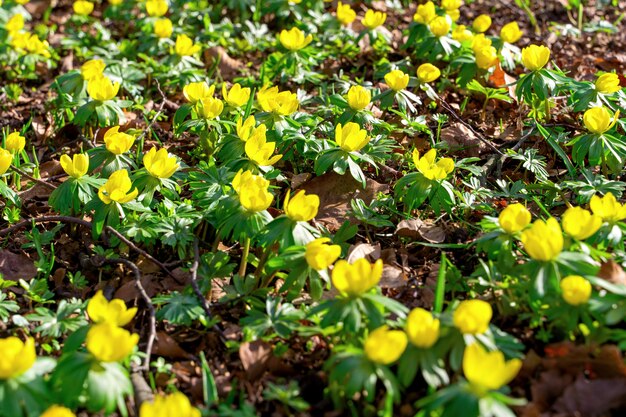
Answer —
(15, 266)
(461, 139)
(255, 357)
(612, 272)
(165, 345)
(363, 250)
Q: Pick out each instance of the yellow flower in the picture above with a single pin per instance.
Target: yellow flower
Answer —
(351, 137)
(237, 96)
(15, 23)
(102, 89)
(422, 328)
(608, 208)
(479, 42)
(514, 218)
(454, 15)
(425, 13)
(259, 150)
(34, 45)
(22, 2)
(272, 101)
(486, 57)
(461, 33)
(15, 142)
(294, 39)
(357, 278)
(580, 223)
(598, 120)
(397, 80)
(254, 195)
(109, 343)
(428, 73)
(301, 208)
(118, 142)
(439, 26)
(451, 4)
(163, 28)
(115, 2)
(430, 168)
(345, 14)
(245, 128)
(209, 107)
(156, 8)
(58, 411)
(575, 289)
(608, 83)
(358, 97)
(373, 19)
(83, 8)
(472, 316)
(117, 188)
(481, 23)
(535, 57)
(384, 346)
(511, 32)
(92, 69)
(17, 356)
(185, 47)
(193, 92)
(319, 255)
(488, 371)
(243, 177)
(543, 241)
(76, 166)
(159, 164)
(115, 312)
(175, 404)
(6, 158)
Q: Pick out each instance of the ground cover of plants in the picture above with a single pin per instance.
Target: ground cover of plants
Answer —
(312, 208)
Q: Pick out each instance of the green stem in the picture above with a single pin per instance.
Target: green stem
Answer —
(244, 257)
(580, 19)
(441, 285)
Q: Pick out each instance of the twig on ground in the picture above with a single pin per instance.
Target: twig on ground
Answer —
(30, 177)
(158, 113)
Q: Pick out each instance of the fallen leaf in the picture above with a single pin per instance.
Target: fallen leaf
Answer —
(165, 345)
(255, 357)
(363, 250)
(462, 139)
(15, 266)
(612, 272)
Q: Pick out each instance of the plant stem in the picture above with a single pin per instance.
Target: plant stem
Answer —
(244, 257)
(441, 284)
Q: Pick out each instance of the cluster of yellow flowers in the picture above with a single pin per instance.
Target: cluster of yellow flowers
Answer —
(13, 144)
(99, 86)
(371, 20)
(24, 41)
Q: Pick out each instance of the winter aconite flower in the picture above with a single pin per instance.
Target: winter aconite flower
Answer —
(109, 343)
(384, 346)
(608, 208)
(159, 163)
(92, 69)
(102, 89)
(397, 80)
(425, 13)
(598, 120)
(175, 404)
(358, 97)
(535, 57)
(422, 328)
(486, 57)
(319, 255)
(373, 19)
(580, 223)
(345, 14)
(608, 83)
(261, 152)
(511, 32)
(451, 4)
(430, 167)
(302, 207)
(245, 128)
(514, 218)
(481, 23)
(351, 137)
(236, 96)
(6, 158)
(163, 28)
(479, 42)
(472, 316)
(15, 142)
(14, 24)
(117, 188)
(185, 47)
(357, 278)
(118, 142)
(439, 26)
(209, 107)
(254, 195)
(294, 39)
(17, 356)
(461, 33)
(75, 166)
(58, 411)
(156, 8)
(82, 8)
(194, 92)
(281, 103)
(243, 177)
(428, 73)
(487, 371)
(115, 312)
(543, 241)
(575, 290)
